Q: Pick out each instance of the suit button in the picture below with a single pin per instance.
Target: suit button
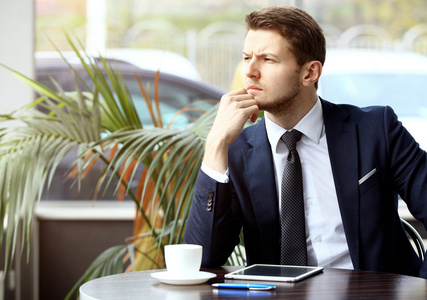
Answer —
(210, 201)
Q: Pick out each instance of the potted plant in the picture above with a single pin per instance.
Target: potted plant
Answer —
(102, 123)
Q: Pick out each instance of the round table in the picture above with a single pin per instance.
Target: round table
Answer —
(330, 284)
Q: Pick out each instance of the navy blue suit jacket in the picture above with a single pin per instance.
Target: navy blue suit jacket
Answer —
(359, 140)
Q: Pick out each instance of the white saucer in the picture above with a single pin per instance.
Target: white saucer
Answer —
(171, 278)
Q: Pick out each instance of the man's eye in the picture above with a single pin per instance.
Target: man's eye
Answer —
(246, 58)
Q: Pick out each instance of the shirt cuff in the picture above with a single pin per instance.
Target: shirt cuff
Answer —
(219, 177)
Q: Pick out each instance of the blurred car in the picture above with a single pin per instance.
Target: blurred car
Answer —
(175, 92)
(365, 77)
(153, 59)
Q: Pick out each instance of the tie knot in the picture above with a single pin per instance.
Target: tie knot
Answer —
(290, 138)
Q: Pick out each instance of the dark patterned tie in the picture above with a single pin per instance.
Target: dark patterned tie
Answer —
(292, 217)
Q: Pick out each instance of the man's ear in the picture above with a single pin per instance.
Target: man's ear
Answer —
(311, 71)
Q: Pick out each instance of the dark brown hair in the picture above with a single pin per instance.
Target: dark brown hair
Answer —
(300, 29)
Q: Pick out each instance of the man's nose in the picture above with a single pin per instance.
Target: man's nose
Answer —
(251, 69)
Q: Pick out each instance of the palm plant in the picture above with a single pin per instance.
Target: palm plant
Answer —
(100, 120)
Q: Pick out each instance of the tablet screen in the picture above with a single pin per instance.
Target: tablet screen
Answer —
(274, 272)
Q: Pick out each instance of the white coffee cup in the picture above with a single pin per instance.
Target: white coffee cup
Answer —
(183, 259)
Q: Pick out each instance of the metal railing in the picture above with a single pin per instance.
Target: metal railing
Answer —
(216, 49)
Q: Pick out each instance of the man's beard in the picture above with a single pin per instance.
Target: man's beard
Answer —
(281, 104)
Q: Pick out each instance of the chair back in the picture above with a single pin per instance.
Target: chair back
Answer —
(416, 238)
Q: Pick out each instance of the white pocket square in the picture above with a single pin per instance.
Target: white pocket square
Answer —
(364, 178)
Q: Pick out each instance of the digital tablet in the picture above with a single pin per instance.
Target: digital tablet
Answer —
(274, 273)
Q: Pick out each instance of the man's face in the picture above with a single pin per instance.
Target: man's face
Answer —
(271, 72)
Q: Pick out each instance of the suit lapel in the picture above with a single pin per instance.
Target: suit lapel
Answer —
(260, 179)
(342, 143)
(341, 134)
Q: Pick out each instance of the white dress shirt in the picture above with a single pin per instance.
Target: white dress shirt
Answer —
(326, 241)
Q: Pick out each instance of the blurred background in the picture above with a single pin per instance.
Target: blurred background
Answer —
(210, 33)
(377, 52)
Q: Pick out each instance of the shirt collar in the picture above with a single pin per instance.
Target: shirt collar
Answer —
(311, 125)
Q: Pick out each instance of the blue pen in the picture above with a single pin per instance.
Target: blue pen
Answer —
(246, 286)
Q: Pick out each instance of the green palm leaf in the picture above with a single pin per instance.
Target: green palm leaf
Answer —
(31, 151)
(107, 263)
(29, 155)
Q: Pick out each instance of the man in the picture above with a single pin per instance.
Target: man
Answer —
(354, 161)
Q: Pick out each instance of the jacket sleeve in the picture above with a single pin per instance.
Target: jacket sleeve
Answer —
(212, 222)
(409, 166)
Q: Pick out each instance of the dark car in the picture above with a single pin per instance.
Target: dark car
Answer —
(175, 92)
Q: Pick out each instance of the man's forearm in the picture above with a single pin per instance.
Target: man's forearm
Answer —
(210, 222)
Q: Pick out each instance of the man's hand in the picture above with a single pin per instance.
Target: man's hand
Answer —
(234, 110)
